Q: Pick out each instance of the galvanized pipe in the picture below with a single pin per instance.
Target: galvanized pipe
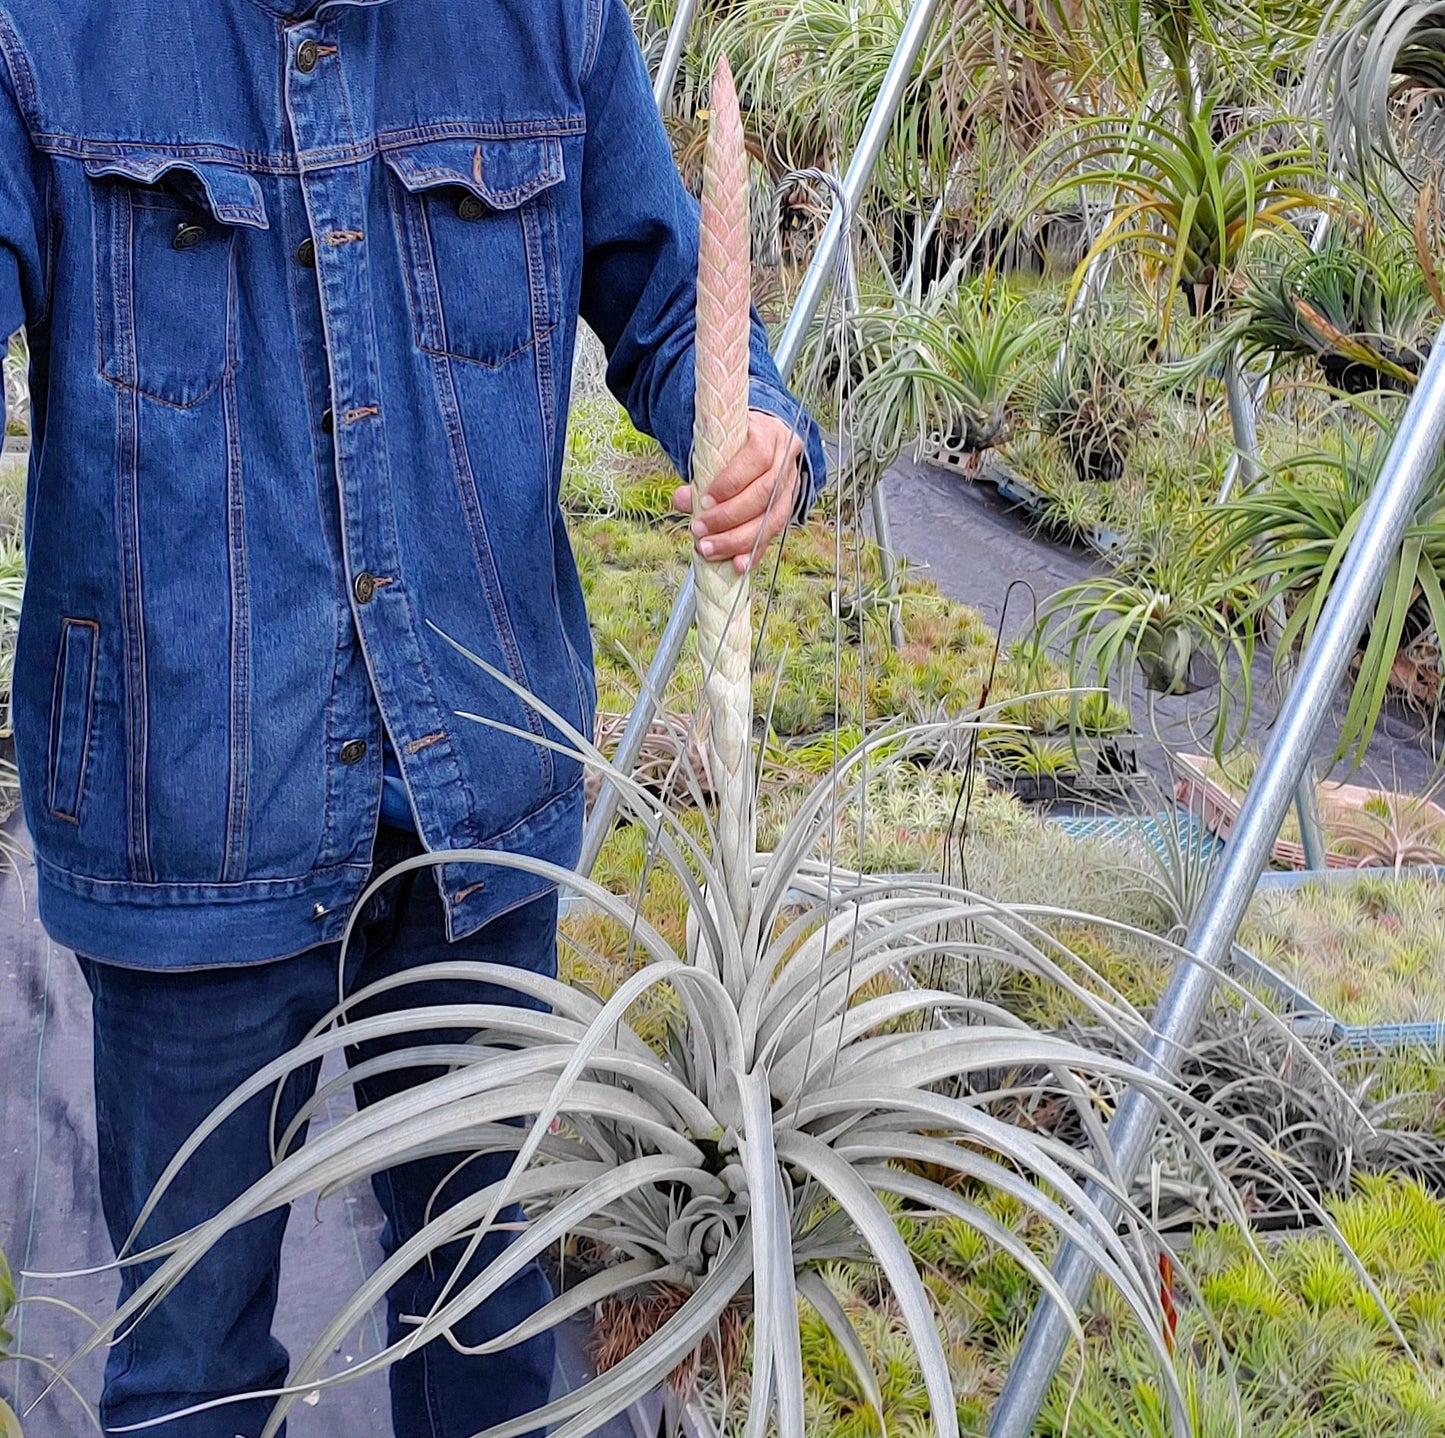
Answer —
(1413, 454)
(916, 30)
(915, 34)
(677, 38)
(1244, 403)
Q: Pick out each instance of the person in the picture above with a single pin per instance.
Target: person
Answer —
(301, 283)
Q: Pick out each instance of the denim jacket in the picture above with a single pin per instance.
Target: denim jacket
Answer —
(302, 284)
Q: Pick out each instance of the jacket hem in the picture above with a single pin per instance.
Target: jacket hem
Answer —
(196, 926)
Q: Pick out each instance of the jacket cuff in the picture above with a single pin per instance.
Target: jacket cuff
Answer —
(813, 467)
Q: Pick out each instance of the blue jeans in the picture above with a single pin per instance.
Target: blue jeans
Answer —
(169, 1046)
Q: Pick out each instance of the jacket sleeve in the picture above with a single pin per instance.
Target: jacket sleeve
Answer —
(639, 281)
(22, 214)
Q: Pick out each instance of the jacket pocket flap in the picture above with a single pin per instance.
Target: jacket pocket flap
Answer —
(232, 196)
(502, 173)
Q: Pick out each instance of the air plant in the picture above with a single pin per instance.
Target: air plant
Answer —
(1191, 201)
(1165, 610)
(942, 372)
(1357, 305)
(1376, 79)
(1086, 402)
(802, 1105)
(1300, 524)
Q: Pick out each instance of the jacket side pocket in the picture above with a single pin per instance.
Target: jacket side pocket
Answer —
(71, 711)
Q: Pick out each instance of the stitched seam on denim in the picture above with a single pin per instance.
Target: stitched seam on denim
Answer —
(542, 258)
(547, 220)
(243, 891)
(133, 613)
(21, 75)
(398, 198)
(486, 562)
(238, 786)
(452, 424)
(420, 658)
(87, 710)
(594, 41)
(77, 147)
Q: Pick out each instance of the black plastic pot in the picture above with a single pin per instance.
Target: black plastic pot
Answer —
(1354, 377)
(1098, 460)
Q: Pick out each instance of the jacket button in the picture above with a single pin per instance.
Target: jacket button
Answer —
(188, 236)
(469, 207)
(365, 588)
(328, 421)
(353, 751)
(306, 254)
(306, 55)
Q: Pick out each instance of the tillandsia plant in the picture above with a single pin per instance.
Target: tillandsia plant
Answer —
(1191, 199)
(1357, 304)
(1168, 611)
(1308, 512)
(1376, 78)
(813, 1081)
(1086, 402)
(942, 372)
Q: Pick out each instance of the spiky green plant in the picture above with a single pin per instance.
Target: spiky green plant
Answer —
(1299, 525)
(1357, 304)
(1192, 199)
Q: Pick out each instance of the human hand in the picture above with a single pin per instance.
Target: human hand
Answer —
(749, 504)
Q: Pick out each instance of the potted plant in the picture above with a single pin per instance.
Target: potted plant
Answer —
(1085, 402)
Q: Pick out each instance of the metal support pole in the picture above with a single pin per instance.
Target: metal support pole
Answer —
(1391, 507)
(677, 38)
(883, 533)
(1244, 403)
(916, 30)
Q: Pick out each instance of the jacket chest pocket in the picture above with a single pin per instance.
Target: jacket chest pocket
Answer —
(165, 232)
(479, 234)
